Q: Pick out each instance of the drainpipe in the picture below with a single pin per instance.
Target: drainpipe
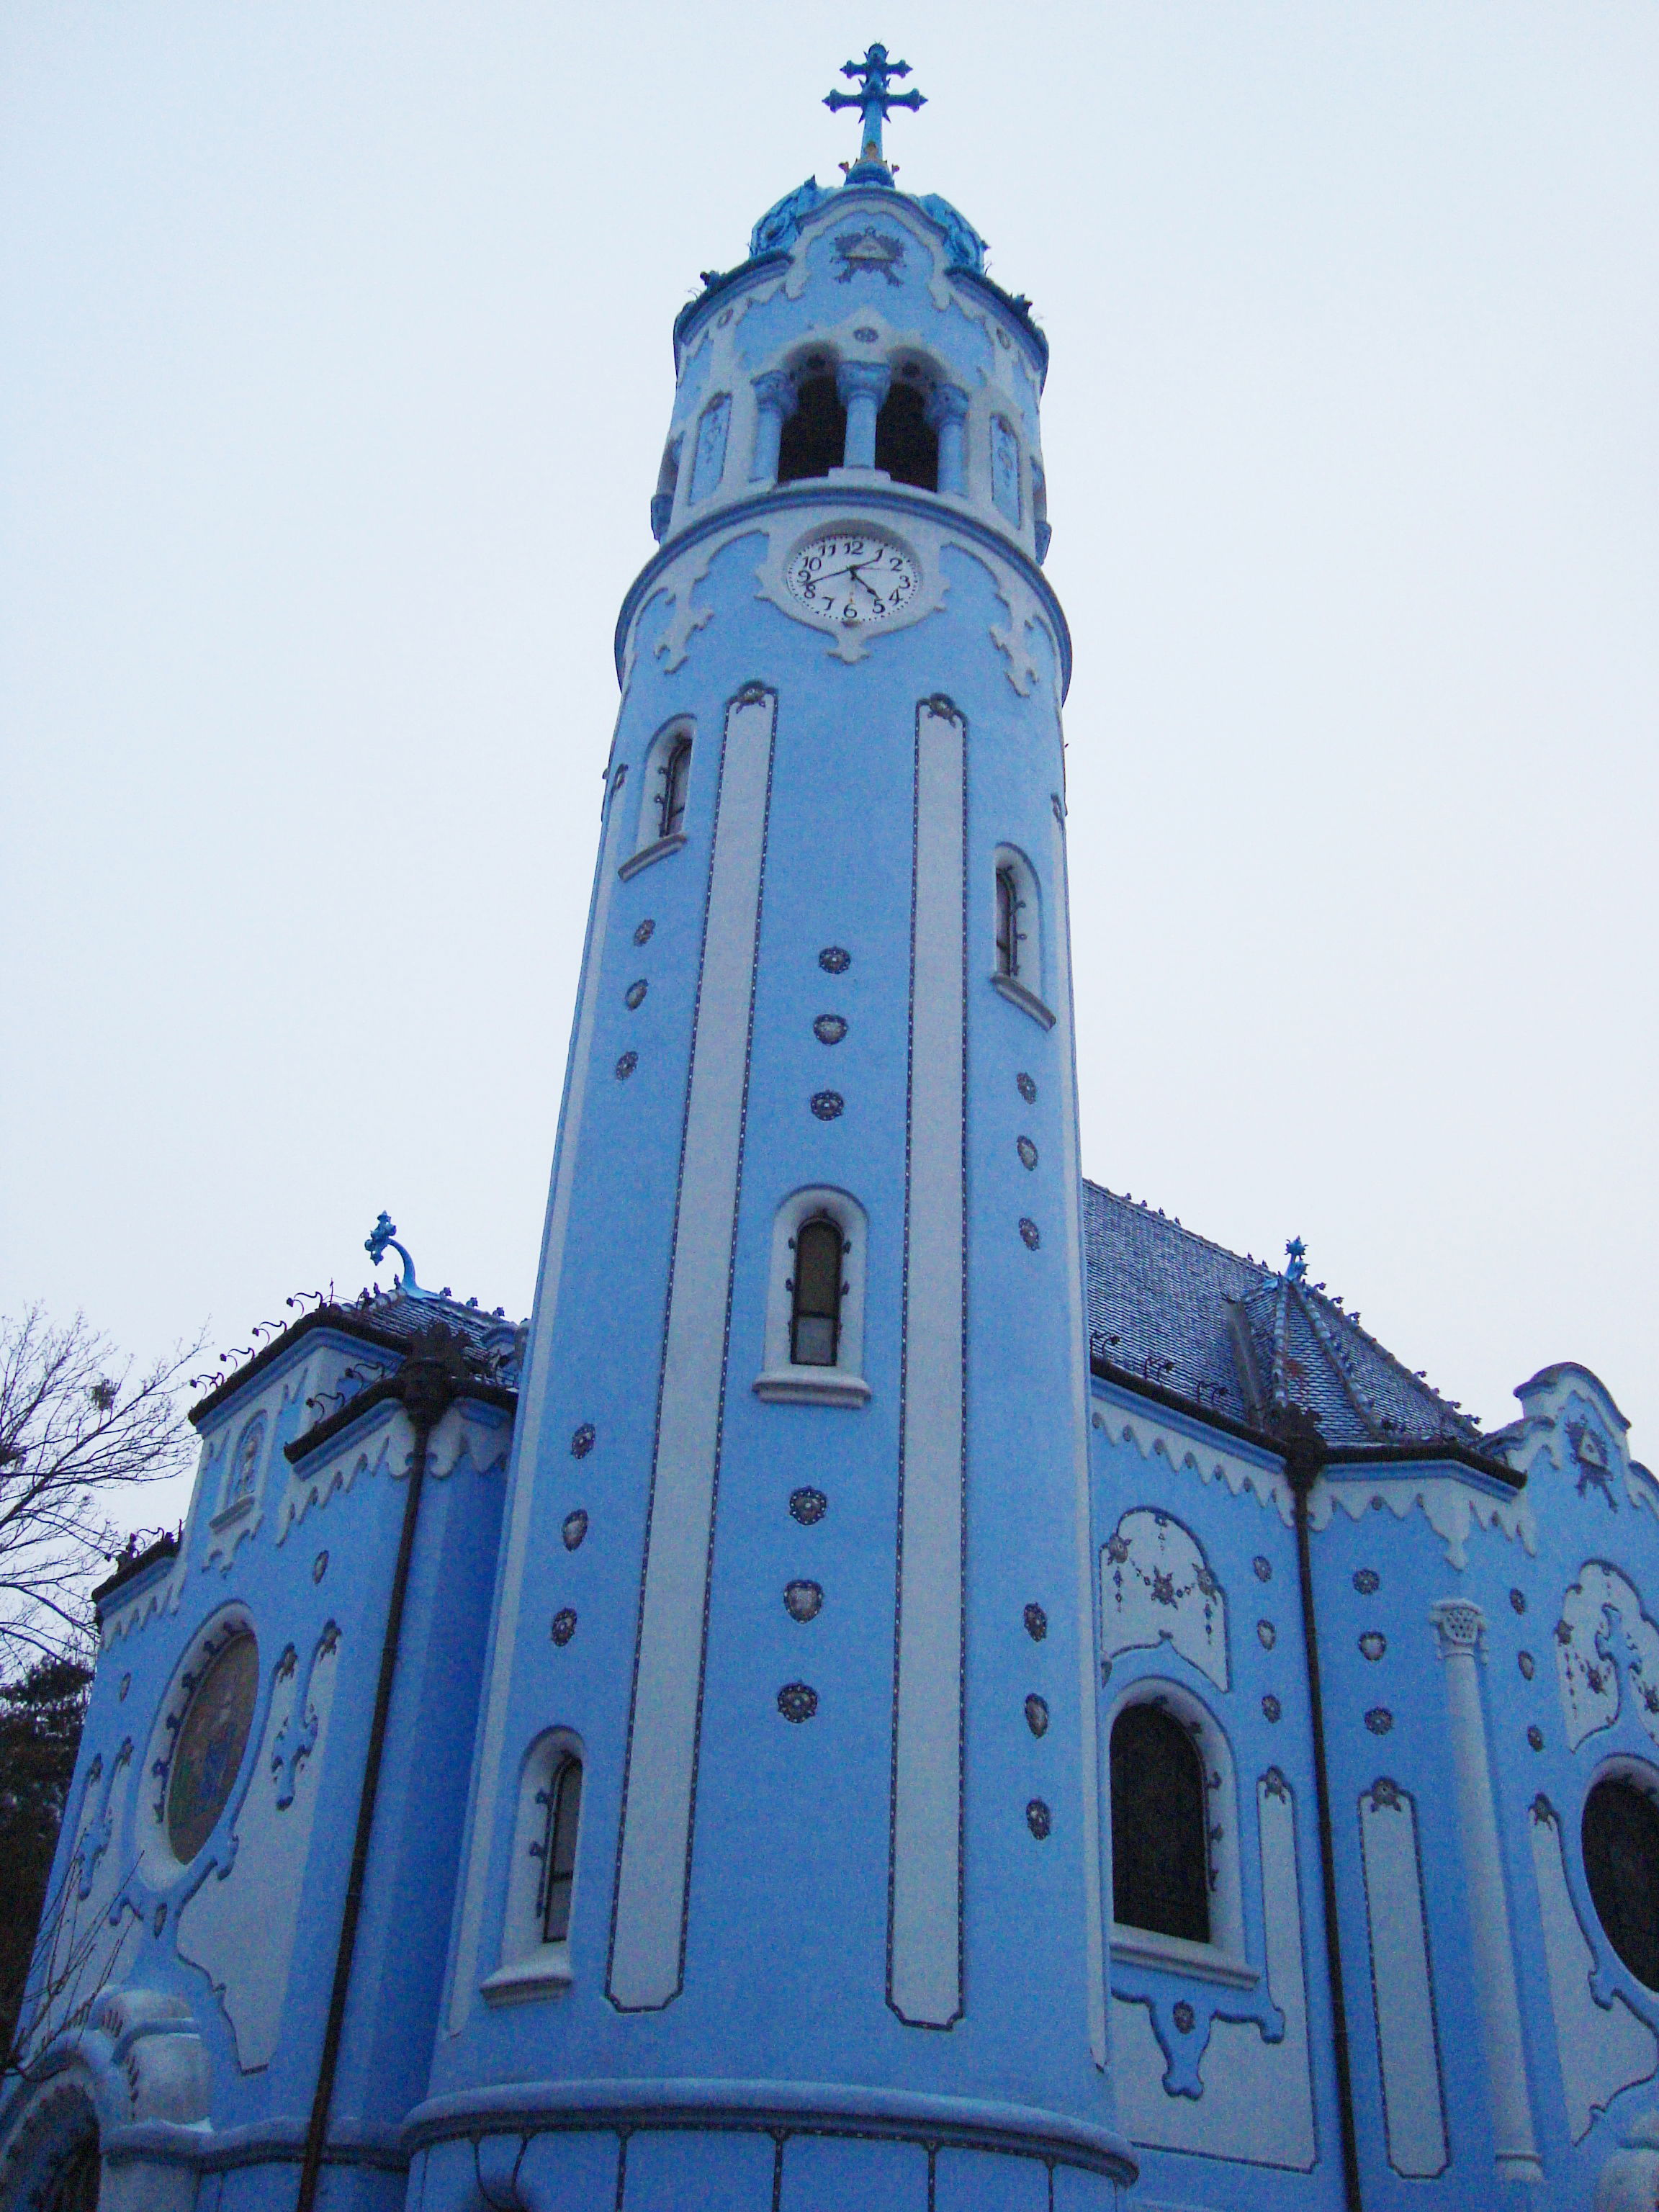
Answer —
(426, 1382)
(1304, 1455)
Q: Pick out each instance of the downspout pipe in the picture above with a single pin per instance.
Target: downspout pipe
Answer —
(427, 1383)
(1304, 1455)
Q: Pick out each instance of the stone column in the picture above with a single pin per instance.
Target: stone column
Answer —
(1459, 1626)
(861, 386)
(776, 401)
(947, 413)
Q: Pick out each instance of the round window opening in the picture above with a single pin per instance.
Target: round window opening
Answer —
(1620, 1839)
(212, 1738)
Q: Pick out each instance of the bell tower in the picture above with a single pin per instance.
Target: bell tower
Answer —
(784, 1881)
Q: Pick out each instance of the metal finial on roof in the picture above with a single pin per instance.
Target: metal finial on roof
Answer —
(872, 75)
(384, 1237)
(1297, 1253)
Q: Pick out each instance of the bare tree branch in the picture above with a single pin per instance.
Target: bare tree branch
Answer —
(78, 1427)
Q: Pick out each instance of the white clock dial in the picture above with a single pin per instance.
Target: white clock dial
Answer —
(852, 577)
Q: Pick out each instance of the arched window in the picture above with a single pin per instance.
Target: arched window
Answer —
(1620, 1838)
(906, 445)
(1008, 930)
(1160, 1829)
(676, 774)
(564, 1813)
(815, 1307)
(662, 500)
(814, 439)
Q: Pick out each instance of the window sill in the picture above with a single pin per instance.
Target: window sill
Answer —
(1142, 1946)
(810, 1385)
(647, 854)
(1027, 1001)
(542, 1974)
(236, 1510)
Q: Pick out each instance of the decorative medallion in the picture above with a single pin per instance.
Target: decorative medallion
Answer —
(1185, 2018)
(869, 253)
(643, 935)
(212, 1736)
(1026, 1088)
(1276, 1786)
(1029, 1232)
(1379, 1720)
(626, 1065)
(1527, 1664)
(835, 959)
(1271, 1707)
(581, 1441)
(1535, 1737)
(634, 994)
(829, 1029)
(797, 1701)
(1386, 1795)
(828, 1105)
(564, 1625)
(1267, 1634)
(1027, 1151)
(1590, 1457)
(1367, 1582)
(1518, 1600)
(575, 1529)
(803, 1601)
(1037, 1623)
(1264, 1568)
(1036, 1713)
(1373, 1643)
(865, 336)
(1039, 1820)
(808, 1506)
(320, 1566)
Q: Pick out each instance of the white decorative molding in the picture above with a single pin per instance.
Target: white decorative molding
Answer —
(1603, 2048)
(1257, 2105)
(1403, 1984)
(1458, 1626)
(1156, 1587)
(1600, 1609)
(240, 1926)
(923, 1969)
(1453, 1507)
(1174, 1955)
(1207, 1462)
(653, 1869)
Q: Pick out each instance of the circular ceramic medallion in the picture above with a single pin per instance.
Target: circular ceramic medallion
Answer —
(212, 1738)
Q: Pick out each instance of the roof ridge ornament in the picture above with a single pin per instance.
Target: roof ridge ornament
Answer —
(1297, 1253)
(875, 102)
(382, 1238)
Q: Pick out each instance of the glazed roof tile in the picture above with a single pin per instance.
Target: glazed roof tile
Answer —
(1230, 1333)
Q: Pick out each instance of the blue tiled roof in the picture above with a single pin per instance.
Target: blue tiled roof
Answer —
(1187, 1314)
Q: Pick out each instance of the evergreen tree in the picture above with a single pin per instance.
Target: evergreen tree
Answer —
(40, 1717)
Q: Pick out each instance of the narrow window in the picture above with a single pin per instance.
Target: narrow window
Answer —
(1004, 467)
(563, 1796)
(906, 446)
(1008, 905)
(708, 458)
(815, 1312)
(1621, 1865)
(662, 500)
(814, 439)
(1160, 1842)
(676, 777)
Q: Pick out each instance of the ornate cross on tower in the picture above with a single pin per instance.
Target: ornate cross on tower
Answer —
(875, 73)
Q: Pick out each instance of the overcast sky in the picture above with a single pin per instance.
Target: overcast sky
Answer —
(333, 378)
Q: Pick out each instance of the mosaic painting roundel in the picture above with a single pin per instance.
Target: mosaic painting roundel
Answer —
(212, 1739)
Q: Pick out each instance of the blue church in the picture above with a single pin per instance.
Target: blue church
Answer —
(913, 1681)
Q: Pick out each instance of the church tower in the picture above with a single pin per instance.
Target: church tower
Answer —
(782, 1883)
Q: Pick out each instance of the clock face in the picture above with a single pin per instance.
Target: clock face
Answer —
(852, 577)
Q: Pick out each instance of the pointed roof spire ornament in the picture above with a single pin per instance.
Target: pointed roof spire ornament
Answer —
(1297, 1253)
(384, 1236)
(873, 74)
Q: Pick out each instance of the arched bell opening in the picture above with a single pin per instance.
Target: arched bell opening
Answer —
(814, 439)
(907, 443)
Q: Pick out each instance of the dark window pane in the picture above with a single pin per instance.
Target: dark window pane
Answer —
(816, 1314)
(676, 779)
(1007, 922)
(1160, 1850)
(815, 437)
(564, 1813)
(1621, 1864)
(905, 445)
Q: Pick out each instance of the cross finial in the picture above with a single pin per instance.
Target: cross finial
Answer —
(873, 74)
(384, 1236)
(1297, 1252)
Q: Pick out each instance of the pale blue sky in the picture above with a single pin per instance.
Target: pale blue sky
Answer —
(334, 375)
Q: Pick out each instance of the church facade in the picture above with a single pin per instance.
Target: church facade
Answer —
(913, 1680)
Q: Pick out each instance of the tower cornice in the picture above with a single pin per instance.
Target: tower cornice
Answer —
(835, 497)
